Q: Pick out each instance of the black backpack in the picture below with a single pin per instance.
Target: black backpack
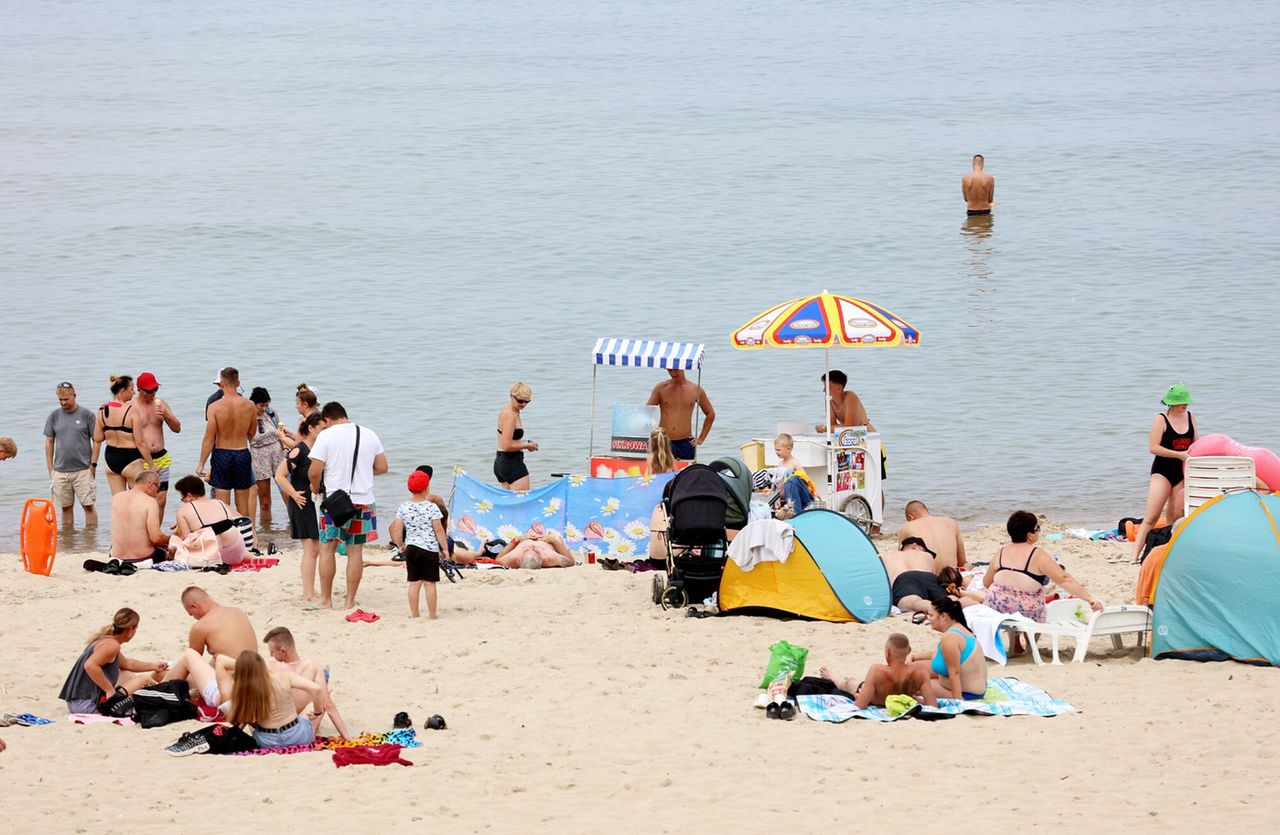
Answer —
(163, 703)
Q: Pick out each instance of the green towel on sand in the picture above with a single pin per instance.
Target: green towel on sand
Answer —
(994, 694)
(898, 705)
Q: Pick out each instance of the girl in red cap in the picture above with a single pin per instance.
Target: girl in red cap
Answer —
(417, 531)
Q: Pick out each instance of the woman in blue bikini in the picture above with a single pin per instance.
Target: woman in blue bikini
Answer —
(959, 669)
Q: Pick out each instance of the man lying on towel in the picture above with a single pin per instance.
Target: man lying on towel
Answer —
(530, 551)
(912, 580)
(898, 676)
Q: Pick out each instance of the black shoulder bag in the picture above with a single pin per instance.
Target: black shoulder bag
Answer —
(338, 505)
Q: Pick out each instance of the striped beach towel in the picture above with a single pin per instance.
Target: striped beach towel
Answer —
(1004, 697)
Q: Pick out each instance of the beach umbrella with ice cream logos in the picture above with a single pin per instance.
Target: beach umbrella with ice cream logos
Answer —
(826, 320)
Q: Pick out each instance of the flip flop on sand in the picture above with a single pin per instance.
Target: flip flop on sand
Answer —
(361, 616)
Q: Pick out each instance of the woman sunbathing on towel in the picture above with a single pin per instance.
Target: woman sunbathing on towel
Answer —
(952, 580)
(959, 668)
(102, 670)
(263, 699)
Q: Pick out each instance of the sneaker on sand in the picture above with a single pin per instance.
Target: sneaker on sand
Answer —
(188, 744)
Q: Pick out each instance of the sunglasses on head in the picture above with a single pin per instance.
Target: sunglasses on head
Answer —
(65, 385)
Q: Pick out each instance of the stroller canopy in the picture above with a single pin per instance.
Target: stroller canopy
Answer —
(737, 477)
(697, 500)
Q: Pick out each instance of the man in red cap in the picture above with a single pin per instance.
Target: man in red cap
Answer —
(154, 415)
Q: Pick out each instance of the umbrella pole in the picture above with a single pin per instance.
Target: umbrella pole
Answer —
(591, 437)
(830, 413)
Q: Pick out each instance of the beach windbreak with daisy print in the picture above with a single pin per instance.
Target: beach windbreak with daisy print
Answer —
(608, 516)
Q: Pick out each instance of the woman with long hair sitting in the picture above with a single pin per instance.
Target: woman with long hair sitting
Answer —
(262, 699)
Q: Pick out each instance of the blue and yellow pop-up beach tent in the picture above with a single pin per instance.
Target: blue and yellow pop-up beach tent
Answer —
(833, 573)
(1215, 595)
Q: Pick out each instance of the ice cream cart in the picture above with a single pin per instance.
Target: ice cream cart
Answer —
(845, 467)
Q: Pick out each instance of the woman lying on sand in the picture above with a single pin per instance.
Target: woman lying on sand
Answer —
(102, 670)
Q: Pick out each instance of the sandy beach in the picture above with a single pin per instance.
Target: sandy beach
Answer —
(574, 704)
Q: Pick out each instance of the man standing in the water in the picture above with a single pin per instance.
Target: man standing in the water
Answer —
(979, 189)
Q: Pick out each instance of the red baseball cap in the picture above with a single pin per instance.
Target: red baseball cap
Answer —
(418, 481)
(147, 381)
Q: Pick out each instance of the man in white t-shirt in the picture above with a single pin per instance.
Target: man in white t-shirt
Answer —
(331, 470)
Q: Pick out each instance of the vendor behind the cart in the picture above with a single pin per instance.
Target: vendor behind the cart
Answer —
(844, 408)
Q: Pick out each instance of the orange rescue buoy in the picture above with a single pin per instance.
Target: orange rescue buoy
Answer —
(39, 536)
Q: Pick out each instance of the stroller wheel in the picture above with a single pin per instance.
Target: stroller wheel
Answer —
(657, 589)
(674, 597)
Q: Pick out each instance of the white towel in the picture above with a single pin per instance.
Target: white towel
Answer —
(984, 622)
(765, 541)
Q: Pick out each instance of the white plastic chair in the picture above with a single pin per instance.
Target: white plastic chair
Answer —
(1061, 619)
(1209, 475)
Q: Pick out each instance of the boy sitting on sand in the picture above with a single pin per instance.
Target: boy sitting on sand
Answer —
(418, 531)
(898, 676)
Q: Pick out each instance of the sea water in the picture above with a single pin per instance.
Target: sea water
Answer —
(412, 205)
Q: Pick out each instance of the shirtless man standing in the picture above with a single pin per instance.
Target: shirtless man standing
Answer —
(675, 399)
(153, 416)
(135, 523)
(940, 533)
(898, 676)
(845, 408)
(233, 421)
(912, 582)
(282, 652)
(978, 188)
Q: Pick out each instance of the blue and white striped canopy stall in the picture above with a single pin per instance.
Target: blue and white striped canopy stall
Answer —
(648, 353)
(642, 353)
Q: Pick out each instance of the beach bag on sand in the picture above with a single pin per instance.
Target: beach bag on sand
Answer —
(163, 703)
(227, 739)
(199, 549)
(785, 661)
(118, 705)
(338, 505)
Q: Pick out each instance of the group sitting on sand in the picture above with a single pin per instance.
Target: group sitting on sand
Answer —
(283, 697)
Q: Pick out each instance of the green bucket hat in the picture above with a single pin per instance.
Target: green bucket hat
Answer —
(1177, 396)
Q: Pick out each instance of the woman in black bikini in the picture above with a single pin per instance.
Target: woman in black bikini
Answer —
(113, 429)
(198, 512)
(508, 465)
(293, 479)
(1172, 433)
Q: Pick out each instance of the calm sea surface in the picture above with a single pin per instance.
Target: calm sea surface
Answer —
(412, 205)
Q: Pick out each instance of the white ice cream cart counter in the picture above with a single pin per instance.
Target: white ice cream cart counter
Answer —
(846, 471)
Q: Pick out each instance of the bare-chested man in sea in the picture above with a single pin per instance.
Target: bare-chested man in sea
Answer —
(153, 415)
(898, 676)
(135, 523)
(978, 188)
(940, 533)
(233, 421)
(676, 399)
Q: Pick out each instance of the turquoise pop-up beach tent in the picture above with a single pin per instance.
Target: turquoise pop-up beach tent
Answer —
(1215, 595)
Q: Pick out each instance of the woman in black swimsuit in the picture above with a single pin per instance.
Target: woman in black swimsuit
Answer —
(1172, 433)
(293, 478)
(508, 465)
(112, 428)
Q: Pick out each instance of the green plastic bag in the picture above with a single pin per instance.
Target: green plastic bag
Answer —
(785, 661)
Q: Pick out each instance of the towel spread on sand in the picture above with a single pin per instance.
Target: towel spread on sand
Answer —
(98, 719)
(404, 738)
(255, 564)
(1004, 697)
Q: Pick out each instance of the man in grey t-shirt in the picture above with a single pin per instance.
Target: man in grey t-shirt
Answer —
(71, 455)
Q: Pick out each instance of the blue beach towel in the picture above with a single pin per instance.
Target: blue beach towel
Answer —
(1004, 697)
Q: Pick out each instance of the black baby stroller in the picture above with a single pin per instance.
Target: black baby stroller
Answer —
(696, 502)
